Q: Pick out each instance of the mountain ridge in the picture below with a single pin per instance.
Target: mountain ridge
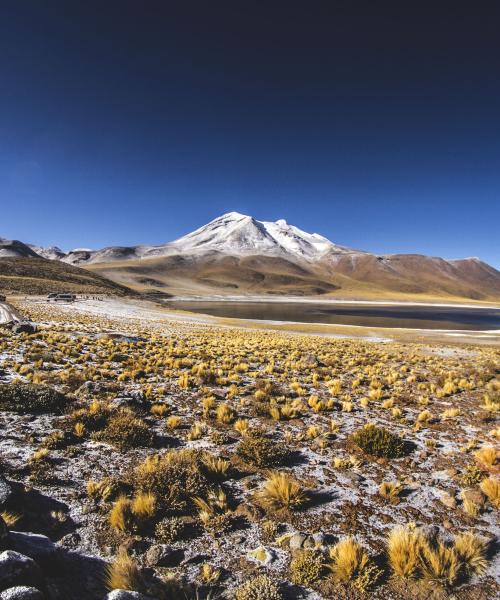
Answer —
(236, 253)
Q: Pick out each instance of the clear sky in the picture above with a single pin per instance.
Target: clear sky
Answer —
(376, 124)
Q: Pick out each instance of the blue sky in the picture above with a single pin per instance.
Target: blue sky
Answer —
(129, 122)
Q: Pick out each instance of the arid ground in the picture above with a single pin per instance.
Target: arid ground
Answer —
(186, 457)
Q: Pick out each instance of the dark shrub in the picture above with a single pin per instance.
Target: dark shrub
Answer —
(262, 452)
(124, 430)
(378, 442)
(31, 398)
(175, 478)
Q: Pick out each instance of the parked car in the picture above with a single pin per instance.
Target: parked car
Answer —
(3, 298)
(62, 297)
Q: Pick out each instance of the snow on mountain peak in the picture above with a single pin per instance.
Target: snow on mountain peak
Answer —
(236, 234)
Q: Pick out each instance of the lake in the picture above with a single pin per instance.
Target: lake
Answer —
(410, 316)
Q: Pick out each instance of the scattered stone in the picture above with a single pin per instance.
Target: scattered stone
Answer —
(21, 592)
(474, 495)
(448, 500)
(297, 541)
(262, 555)
(16, 569)
(354, 479)
(161, 555)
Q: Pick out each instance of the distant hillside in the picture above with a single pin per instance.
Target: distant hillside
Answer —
(238, 255)
(34, 275)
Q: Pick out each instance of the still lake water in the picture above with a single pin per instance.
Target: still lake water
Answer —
(408, 316)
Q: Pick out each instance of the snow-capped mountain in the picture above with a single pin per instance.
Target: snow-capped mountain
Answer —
(51, 252)
(241, 235)
(237, 254)
(231, 234)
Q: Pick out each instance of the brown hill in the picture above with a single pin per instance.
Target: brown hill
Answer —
(33, 275)
(355, 275)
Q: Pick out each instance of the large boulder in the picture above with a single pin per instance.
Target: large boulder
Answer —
(23, 327)
(5, 491)
(38, 547)
(21, 592)
(17, 569)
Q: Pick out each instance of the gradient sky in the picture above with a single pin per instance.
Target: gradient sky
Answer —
(376, 124)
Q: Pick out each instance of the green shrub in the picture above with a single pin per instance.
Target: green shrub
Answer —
(169, 530)
(175, 478)
(378, 442)
(124, 430)
(262, 452)
(31, 398)
(306, 567)
(259, 588)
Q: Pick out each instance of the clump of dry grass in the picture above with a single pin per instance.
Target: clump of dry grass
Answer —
(216, 468)
(121, 516)
(175, 478)
(280, 490)
(487, 456)
(124, 430)
(439, 563)
(471, 551)
(123, 573)
(10, 518)
(413, 555)
(491, 488)
(350, 563)
(390, 491)
(403, 550)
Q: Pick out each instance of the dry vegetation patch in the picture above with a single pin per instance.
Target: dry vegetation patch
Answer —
(263, 460)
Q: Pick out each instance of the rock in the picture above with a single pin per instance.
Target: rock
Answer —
(126, 595)
(319, 539)
(38, 547)
(297, 541)
(475, 496)
(262, 555)
(448, 500)
(354, 479)
(161, 555)
(5, 490)
(23, 327)
(17, 569)
(309, 542)
(21, 592)
(249, 512)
